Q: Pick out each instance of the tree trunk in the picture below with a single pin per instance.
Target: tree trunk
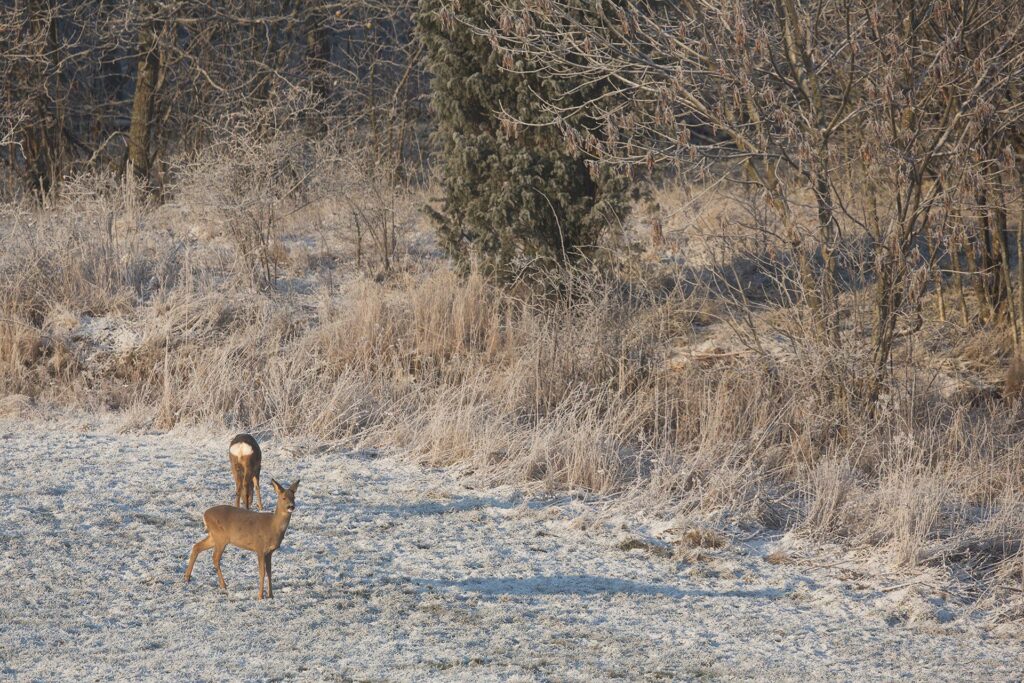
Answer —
(937, 256)
(992, 243)
(318, 51)
(965, 317)
(41, 140)
(1020, 278)
(1005, 280)
(829, 234)
(147, 72)
(885, 324)
(973, 250)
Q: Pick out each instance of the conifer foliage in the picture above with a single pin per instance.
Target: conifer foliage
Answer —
(515, 194)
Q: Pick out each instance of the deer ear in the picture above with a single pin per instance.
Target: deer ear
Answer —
(277, 487)
(294, 487)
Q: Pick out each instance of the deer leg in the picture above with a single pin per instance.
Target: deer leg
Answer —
(248, 489)
(217, 552)
(261, 560)
(270, 582)
(259, 498)
(199, 547)
(237, 474)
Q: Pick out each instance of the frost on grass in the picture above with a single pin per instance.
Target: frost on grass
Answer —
(390, 572)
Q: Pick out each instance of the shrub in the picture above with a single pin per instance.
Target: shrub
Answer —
(515, 194)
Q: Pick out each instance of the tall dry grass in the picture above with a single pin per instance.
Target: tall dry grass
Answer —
(107, 302)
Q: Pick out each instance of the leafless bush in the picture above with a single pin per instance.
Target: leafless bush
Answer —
(371, 202)
(246, 181)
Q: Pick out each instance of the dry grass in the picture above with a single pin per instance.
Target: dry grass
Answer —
(700, 537)
(112, 304)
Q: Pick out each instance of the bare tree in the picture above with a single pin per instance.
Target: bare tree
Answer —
(92, 83)
(878, 111)
(147, 77)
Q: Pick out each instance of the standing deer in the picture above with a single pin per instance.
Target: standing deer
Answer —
(260, 532)
(245, 457)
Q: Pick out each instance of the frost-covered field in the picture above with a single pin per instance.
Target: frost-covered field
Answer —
(391, 572)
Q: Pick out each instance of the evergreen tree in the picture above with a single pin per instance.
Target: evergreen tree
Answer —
(511, 192)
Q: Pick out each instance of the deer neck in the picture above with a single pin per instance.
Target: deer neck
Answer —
(280, 522)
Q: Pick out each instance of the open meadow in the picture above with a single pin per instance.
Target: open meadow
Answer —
(394, 572)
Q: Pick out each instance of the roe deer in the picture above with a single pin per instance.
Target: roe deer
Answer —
(260, 532)
(245, 457)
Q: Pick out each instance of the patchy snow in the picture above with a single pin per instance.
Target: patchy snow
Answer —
(392, 572)
(106, 333)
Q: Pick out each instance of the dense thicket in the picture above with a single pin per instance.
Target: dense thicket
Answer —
(883, 136)
(93, 84)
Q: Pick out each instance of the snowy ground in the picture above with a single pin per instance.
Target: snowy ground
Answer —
(391, 572)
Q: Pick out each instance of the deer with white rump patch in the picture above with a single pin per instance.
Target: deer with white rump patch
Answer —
(260, 532)
(245, 456)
